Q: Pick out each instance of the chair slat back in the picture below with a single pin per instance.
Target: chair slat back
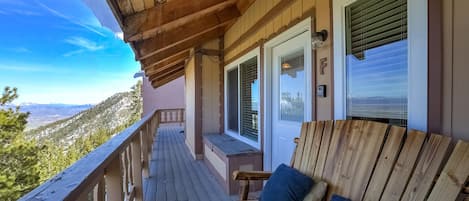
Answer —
(370, 161)
(454, 174)
(432, 156)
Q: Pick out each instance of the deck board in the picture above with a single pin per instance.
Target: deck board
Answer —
(176, 176)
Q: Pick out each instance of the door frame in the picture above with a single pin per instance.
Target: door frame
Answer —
(301, 27)
(417, 62)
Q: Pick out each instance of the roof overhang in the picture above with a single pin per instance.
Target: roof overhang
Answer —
(162, 32)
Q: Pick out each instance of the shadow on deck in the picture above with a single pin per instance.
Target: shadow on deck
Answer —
(176, 176)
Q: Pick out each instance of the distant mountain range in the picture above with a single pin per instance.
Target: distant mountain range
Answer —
(43, 114)
(117, 111)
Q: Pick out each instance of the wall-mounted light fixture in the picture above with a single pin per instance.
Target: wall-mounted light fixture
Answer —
(286, 66)
(318, 38)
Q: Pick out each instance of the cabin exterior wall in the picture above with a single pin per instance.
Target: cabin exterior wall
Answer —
(168, 96)
(285, 17)
(455, 69)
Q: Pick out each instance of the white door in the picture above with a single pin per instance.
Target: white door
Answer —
(291, 95)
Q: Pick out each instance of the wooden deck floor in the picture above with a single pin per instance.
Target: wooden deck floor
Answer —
(176, 176)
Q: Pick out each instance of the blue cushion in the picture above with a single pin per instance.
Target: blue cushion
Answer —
(339, 198)
(286, 184)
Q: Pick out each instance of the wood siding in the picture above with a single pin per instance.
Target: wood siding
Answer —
(455, 71)
(210, 90)
(256, 12)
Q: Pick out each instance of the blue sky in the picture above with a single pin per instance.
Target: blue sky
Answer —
(55, 51)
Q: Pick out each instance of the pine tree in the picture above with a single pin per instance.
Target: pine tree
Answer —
(19, 161)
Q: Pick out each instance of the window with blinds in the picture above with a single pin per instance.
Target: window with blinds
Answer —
(232, 81)
(376, 60)
(248, 99)
(243, 99)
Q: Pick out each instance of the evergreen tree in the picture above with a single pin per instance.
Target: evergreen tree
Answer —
(19, 162)
(136, 102)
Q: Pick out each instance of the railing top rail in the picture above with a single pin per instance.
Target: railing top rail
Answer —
(79, 177)
(172, 109)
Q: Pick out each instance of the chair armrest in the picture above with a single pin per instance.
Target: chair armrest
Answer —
(251, 175)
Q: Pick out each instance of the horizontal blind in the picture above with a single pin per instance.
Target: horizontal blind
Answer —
(376, 61)
(373, 23)
(233, 100)
(249, 113)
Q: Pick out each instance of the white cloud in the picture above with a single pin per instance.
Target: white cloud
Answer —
(84, 43)
(119, 35)
(25, 12)
(71, 20)
(73, 53)
(27, 68)
(20, 50)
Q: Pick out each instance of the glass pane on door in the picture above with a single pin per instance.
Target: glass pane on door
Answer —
(292, 87)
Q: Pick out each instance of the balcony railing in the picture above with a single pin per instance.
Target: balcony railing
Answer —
(113, 171)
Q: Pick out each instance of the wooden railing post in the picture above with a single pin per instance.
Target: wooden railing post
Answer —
(114, 180)
(99, 191)
(137, 168)
(144, 152)
(149, 141)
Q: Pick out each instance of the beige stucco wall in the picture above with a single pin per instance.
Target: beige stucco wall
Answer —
(210, 90)
(190, 105)
(168, 96)
(456, 68)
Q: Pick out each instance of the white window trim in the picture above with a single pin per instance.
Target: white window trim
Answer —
(417, 62)
(301, 27)
(235, 64)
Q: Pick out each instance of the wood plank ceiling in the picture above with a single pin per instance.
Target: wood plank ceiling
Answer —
(162, 32)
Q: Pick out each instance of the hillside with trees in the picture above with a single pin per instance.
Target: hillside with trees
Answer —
(27, 159)
(119, 110)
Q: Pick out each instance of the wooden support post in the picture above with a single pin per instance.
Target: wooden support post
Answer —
(114, 180)
(137, 168)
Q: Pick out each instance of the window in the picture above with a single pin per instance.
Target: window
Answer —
(242, 100)
(233, 102)
(292, 87)
(376, 62)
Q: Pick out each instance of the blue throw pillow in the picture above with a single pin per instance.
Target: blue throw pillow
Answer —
(286, 184)
(339, 198)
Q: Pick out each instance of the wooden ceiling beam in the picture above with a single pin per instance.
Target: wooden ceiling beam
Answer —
(170, 15)
(153, 61)
(243, 5)
(164, 69)
(159, 83)
(164, 66)
(184, 45)
(168, 72)
(173, 59)
(186, 32)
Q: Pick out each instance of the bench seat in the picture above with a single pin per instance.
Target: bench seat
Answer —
(370, 161)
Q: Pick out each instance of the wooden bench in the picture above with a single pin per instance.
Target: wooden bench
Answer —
(364, 160)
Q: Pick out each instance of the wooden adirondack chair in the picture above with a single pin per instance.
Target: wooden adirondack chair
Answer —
(370, 161)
